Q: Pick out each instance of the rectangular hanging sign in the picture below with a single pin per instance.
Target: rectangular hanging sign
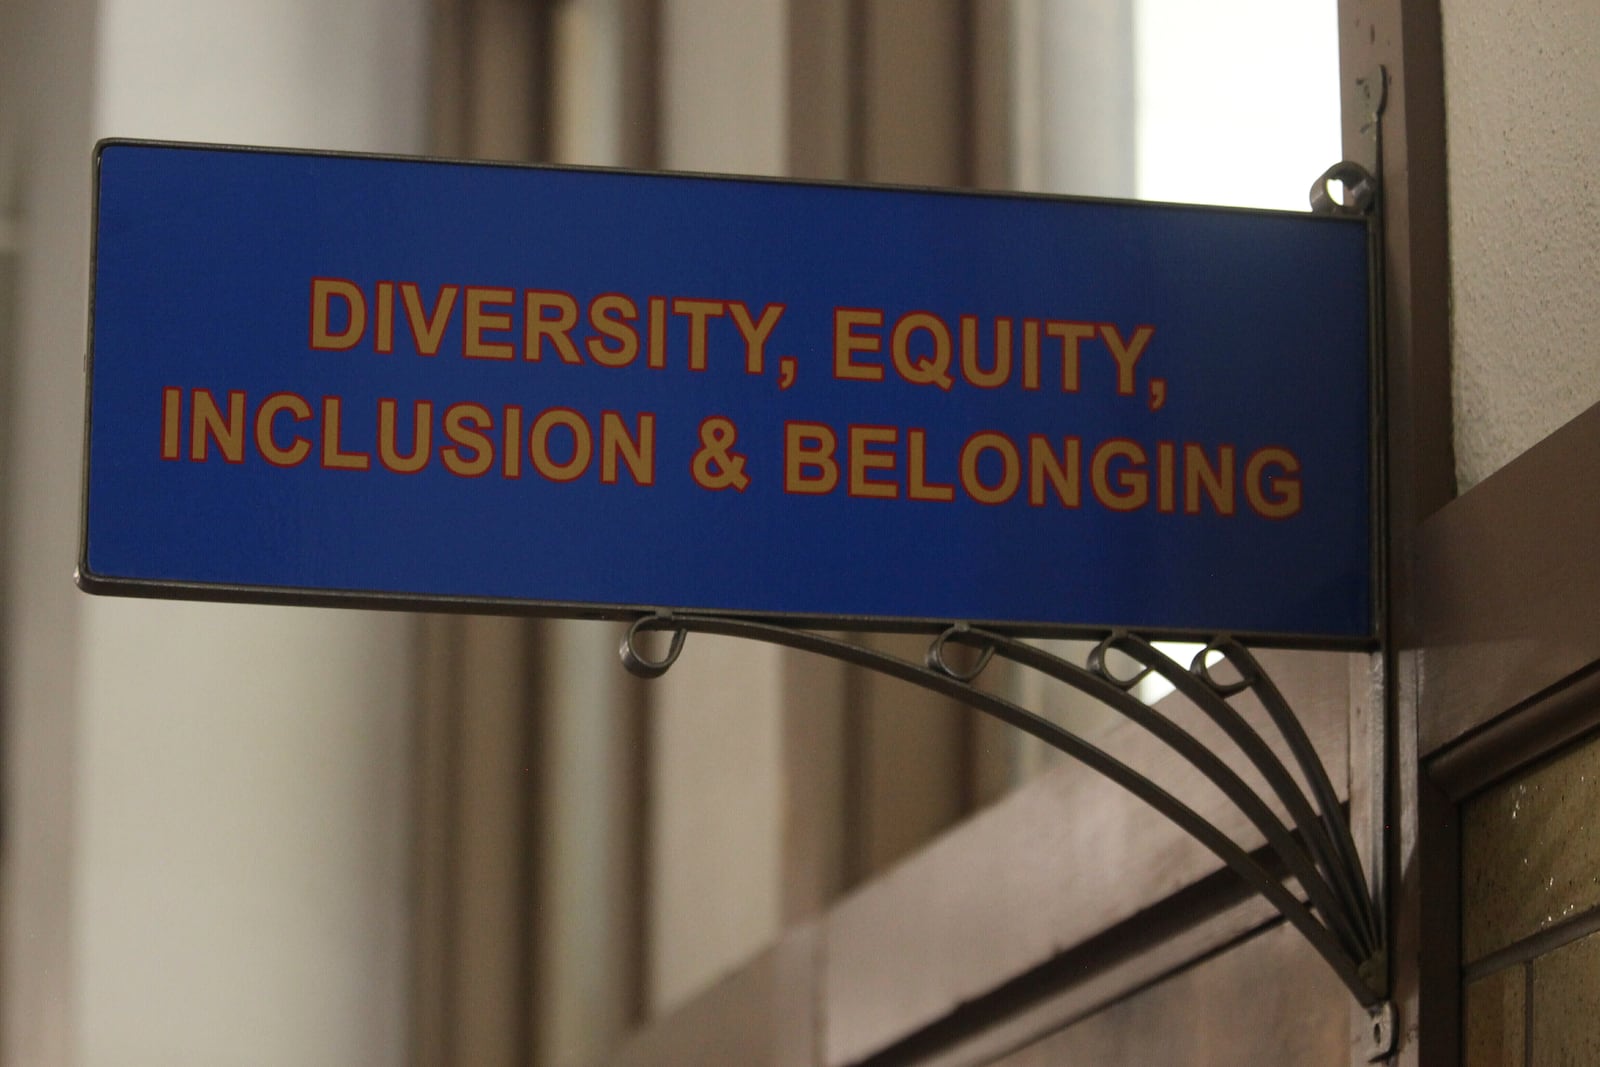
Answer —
(416, 383)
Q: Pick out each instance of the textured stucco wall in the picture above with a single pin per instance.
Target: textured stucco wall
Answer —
(1522, 84)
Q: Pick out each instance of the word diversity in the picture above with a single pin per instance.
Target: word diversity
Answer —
(921, 346)
(470, 438)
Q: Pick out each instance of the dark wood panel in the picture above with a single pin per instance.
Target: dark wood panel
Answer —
(763, 1015)
(1508, 579)
(1051, 866)
(1266, 1001)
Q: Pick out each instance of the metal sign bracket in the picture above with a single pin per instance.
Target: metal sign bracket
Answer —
(1337, 908)
(1312, 845)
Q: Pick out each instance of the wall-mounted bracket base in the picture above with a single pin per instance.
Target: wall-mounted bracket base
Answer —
(1381, 1026)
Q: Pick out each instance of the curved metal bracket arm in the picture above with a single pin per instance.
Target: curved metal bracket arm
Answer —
(1342, 923)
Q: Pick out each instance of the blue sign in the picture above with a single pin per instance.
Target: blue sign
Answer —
(410, 382)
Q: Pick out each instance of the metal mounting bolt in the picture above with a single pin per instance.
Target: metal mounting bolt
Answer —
(1360, 190)
(1380, 1032)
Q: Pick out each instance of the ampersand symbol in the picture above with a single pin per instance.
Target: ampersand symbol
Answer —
(715, 467)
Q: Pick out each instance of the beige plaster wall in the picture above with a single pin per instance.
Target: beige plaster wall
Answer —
(1523, 98)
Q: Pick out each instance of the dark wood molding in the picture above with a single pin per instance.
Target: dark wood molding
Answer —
(1507, 580)
(762, 1015)
(1392, 51)
(1399, 42)
(822, 105)
(1209, 919)
(639, 123)
(1523, 735)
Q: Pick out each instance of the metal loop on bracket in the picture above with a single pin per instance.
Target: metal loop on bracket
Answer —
(1360, 190)
(641, 665)
(1200, 667)
(959, 633)
(1098, 665)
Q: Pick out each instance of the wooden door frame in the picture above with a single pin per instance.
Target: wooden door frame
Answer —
(1510, 670)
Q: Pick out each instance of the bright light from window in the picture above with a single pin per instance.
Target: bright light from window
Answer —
(1237, 100)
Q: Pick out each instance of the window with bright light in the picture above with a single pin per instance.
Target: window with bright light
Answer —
(1223, 102)
(1237, 101)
